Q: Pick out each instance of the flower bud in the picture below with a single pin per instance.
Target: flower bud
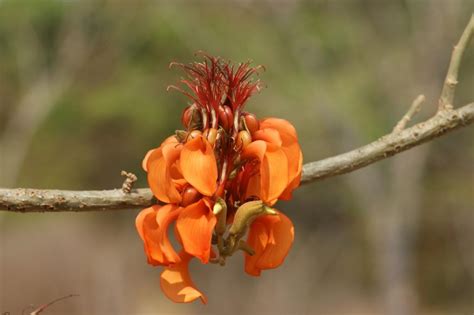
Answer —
(194, 134)
(245, 215)
(189, 195)
(225, 117)
(243, 139)
(251, 122)
(181, 135)
(210, 134)
(191, 117)
(187, 115)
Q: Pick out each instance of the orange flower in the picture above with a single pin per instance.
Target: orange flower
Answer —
(173, 165)
(271, 237)
(218, 178)
(279, 158)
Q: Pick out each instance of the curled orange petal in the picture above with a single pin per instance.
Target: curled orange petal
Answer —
(142, 218)
(287, 194)
(198, 165)
(269, 135)
(176, 282)
(274, 174)
(152, 226)
(145, 160)
(284, 127)
(291, 148)
(271, 237)
(149, 157)
(255, 149)
(195, 225)
(273, 171)
(161, 170)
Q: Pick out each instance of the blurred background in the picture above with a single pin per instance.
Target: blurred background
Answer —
(83, 96)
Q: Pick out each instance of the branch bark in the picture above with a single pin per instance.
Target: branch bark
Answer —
(445, 120)
(37, 200)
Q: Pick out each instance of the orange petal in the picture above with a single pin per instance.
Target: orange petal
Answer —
(289, 142)
(287, 194)
(141, 217)
(177, 285)
(253, 186)
(291, 148)
(149, 157)
(273, 170)
(148, 231)
(274, 173)
(170, 139)
(152, 225)
(164, 217)
(269, 135)
(257, 239)
(271, 237)
(295, 157)
(284, 127)
(159, 173)
(198, 165)
(255, 149)
(194, 226)
(145, 160)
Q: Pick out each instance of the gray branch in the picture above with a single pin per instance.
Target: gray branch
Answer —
(37, 200)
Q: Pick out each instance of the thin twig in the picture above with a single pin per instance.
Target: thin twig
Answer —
(447, 94)
(412, 111)
(44, 306)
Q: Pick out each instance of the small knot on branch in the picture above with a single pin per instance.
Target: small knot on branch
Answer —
(451, 82)
(129, 181)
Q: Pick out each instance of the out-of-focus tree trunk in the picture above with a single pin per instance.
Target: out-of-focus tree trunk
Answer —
(42, 87)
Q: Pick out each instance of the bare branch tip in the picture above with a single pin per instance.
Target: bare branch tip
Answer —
(412, 111)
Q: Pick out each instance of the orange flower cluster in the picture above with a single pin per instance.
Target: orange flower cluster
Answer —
(219, 179)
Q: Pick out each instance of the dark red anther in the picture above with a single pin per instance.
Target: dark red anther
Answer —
(225, 117)
(190, 195)
(187, 116)
(251, 122)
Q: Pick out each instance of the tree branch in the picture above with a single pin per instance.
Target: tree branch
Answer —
(445, 120)
(36, 200)
(447, 94)
(414, 109)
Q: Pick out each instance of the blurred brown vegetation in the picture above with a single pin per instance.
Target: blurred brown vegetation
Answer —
(82, 96)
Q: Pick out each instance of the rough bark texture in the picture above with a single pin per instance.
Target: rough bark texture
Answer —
(37, 200)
